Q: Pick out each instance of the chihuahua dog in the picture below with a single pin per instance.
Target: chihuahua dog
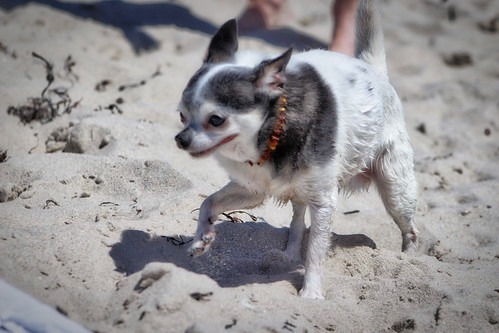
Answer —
(300, 128)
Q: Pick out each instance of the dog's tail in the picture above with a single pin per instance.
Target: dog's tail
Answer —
(369, 44)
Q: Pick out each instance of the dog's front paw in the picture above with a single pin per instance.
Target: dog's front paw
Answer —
(202, 245)
(311, 293)
(312, 287)
(410, 242)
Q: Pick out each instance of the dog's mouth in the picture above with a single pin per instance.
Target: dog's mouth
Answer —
(212, 149)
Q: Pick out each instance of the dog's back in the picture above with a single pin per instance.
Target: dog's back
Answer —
(369, 112)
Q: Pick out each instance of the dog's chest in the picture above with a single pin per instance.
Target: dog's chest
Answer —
(260, 179)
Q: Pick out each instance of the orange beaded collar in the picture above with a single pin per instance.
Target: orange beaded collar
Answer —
(275, 135)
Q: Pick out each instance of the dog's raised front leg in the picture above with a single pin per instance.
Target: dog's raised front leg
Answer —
(318, 245)
(296, 231)
(231, 196)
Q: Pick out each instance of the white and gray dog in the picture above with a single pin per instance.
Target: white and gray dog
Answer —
(300, 128)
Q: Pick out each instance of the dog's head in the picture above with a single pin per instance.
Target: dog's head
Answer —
(226, 102)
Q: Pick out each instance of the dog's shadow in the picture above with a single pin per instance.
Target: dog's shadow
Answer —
(250, 252)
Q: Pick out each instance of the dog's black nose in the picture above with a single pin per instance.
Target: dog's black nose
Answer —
(183, 139)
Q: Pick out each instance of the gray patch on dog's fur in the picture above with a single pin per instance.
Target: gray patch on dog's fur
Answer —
(352, 80)
(362, 69)
(188, 93)
(311, 120)
(233, 87)
(369, 88)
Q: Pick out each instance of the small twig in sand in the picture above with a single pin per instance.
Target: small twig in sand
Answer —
(69, 63)
(289, 326)
(235, 219)
(114, 107)
(491, 25)
(4, 49)
(177, 242)
(201, 296)
(48, 202)
(111, 107)
(101, 86)
(3, 156)
(37, 143)
(49, 69)
(108, 203)
(141, 82)
(234, 322)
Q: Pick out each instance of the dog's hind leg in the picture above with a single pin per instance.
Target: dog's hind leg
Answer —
(296, 231)
(231, 196)
(396, 183)
(318, 245)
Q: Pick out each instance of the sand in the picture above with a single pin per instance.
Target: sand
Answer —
(98, 205)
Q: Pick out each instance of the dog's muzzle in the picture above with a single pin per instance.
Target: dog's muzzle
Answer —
(184, 139)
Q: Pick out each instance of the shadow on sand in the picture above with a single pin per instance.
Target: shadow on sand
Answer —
(250, 252)
(132, 17)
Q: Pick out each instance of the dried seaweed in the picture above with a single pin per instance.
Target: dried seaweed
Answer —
(5, 50)
(69, 63)
(234, 322)
(408, 324)
(3, 156)
(111, 107)
(490, 26)
(141, 82)
(49, 202)
(102, 85)
(235, 219)
(177, 242)
(458, 59)
(52, 102)
(201, 296)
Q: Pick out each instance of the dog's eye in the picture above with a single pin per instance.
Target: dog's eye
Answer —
(182, 118)
(216, 121)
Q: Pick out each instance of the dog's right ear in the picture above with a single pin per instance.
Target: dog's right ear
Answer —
(224, 43)
(269, 74)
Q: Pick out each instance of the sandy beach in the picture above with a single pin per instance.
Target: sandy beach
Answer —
(98, 205)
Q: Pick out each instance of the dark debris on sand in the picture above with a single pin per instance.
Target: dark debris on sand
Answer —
(52, 102)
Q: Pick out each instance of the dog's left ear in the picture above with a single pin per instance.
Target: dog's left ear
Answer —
(270, 74)
(223, 44)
